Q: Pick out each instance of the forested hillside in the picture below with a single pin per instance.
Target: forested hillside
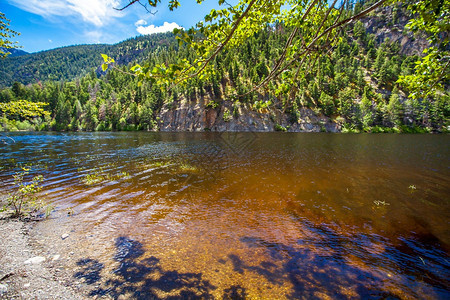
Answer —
(71, 62)
(352, 87)
(13, 52)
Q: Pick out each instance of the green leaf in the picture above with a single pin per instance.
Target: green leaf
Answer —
(135, 67)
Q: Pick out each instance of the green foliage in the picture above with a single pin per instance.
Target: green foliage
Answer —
(23, 109)
(23, 199)
(279, 127)
(227, 115)
(236, 106)
(359, 31)
(6, 34)
(313, 27)
(350, 84)
(346, 103)
(413, 129)
(101, 176)
(68, 63)
(394, 111)
(107, 61)
(366, 112)
(432, 71)
(261, 106)
(212, 104)
(326, 102)
(431, 74)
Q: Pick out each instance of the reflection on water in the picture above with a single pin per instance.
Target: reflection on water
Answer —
(245, 215)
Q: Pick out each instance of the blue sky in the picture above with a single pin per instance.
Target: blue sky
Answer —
(48, 24)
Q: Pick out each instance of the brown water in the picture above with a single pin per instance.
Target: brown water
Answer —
(229, 216)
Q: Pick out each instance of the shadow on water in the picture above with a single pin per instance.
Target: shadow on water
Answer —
(326, 263)
(144, 278)
(312, 276)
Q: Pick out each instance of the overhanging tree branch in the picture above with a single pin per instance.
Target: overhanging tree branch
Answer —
(221, 45)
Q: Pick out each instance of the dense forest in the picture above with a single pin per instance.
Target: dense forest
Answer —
(70, 62)
(354, 85)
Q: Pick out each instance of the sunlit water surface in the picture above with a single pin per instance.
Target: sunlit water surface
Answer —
(244, 215)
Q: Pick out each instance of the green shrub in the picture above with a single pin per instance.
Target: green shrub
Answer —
(212, 104)
(43, 127)
(25, 125)
(413, 129)
(226, 115)
(236, 106)
(23, 199)
(349, 128)
(100, 127)
(279, 127)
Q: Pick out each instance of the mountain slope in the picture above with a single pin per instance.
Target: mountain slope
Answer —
(14, 52)
(71, 62)
(352, 89)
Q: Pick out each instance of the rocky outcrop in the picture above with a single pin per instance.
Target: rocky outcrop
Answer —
(189, 116)
(384, 27)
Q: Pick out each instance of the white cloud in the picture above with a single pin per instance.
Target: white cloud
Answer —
(141, 22)
(157, 29)
(93, 36)
(96, 12)
(50, 41)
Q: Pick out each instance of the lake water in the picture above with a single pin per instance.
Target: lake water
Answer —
(244, 215)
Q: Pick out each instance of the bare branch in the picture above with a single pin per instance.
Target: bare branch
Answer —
(137, 1)
(231, 6)
(128, 5)
(124, 72)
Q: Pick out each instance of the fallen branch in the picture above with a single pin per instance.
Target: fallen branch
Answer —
(3, 277)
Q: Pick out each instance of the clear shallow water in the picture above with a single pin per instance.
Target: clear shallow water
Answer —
(269, 215)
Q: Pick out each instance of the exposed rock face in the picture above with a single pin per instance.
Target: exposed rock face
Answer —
(197, 117)
(384, 27)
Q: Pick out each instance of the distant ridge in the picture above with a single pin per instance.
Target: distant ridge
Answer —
(70, 62)
(14, 52)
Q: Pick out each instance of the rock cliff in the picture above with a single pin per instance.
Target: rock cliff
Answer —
(196, 116)
(389, 23)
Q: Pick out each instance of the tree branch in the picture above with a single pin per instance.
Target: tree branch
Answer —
(308, 48)
(137, 1)
(440, 76)
(218, 49)
(280, 60)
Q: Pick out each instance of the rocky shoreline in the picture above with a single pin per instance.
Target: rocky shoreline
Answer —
(25, 272)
